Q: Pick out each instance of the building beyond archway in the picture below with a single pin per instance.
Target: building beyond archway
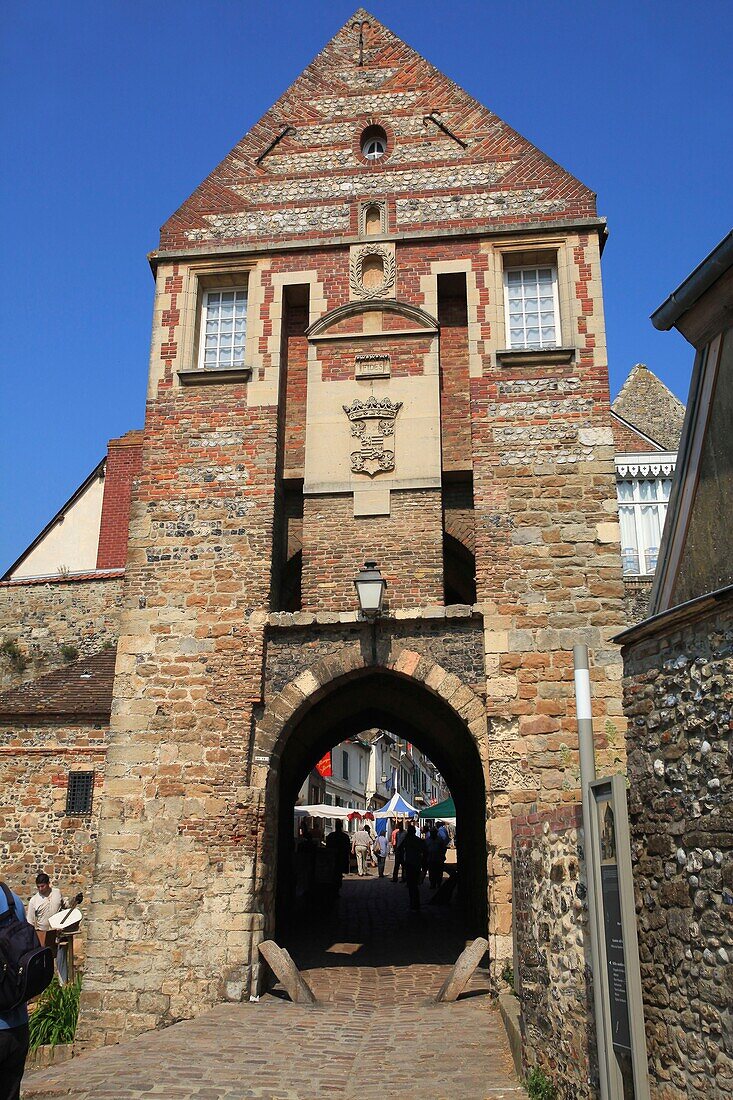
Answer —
(371, 697)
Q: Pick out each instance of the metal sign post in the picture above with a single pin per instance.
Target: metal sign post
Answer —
(610, 851)
(619, 1011)
(608, 1081)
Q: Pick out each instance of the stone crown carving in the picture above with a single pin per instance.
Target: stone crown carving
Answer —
(382, 289)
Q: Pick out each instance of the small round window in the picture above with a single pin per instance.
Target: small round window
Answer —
(373, 143)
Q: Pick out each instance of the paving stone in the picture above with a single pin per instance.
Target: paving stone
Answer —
(376, 1033)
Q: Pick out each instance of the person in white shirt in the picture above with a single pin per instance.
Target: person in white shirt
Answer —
(43, 905)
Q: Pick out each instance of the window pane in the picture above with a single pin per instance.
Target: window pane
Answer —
(650, 532)
(629, 550)
(531, 307)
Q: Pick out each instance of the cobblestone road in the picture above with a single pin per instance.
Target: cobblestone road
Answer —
(376, 1034)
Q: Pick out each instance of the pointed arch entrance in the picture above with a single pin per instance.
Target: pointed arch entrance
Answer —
(415, 699)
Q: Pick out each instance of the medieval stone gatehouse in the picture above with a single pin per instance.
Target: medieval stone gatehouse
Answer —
(378, 333)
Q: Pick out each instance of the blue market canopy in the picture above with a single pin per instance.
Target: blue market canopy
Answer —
(396, 807)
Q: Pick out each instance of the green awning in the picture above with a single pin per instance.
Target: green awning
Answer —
(440, 810)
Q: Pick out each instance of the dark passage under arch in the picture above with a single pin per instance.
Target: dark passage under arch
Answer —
(380, 698)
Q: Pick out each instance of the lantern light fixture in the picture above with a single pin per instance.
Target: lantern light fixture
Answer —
(370, 586)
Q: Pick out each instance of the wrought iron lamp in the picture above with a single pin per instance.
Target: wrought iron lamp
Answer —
(370, 586)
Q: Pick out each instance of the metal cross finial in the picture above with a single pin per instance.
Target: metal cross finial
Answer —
(360, 27)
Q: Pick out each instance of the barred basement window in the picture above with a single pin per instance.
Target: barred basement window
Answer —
(79, 793)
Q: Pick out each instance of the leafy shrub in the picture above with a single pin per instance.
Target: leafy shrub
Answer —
(539, 1085)
(69, 652)
(54, 1018)
(14, 654)
(507, 973)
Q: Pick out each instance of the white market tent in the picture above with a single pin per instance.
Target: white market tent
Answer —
(323, 810)
(396, 807)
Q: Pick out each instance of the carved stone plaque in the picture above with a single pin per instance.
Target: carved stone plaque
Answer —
(372, 421)
(372, 366)
(372, 272)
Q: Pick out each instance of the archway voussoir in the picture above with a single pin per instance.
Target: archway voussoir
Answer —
(435, 677)
(406, 662)
(479, 729)
(306, 683)
(449, 687)
(351, 659)
(291, 696)
(472, 710)
(462, 699)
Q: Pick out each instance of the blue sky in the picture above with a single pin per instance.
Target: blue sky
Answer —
(113, 112)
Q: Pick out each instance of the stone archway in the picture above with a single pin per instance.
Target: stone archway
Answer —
(411, 695)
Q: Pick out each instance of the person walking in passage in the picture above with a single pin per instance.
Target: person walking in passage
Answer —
(415, 859)
(361, 845)
(13, 1028)
(398, 839)
(436, 858)
(381, 847)
(338, 842)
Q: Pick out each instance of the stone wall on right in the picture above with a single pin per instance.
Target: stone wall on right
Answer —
(679, 699)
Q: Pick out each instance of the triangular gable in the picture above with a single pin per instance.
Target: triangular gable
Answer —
(649, 407)
(450, 160)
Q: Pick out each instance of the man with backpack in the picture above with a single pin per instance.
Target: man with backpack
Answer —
(26, 969)
(13, 1028)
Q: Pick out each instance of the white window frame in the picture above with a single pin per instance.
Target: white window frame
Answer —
(556, 343)
(635, 469)
(240, 289)
(379, 148)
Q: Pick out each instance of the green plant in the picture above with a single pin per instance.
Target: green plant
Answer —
(507, 973)
(69, 652)
(108, 644)
(54, 1018)
(14, 654)
(539, 1085)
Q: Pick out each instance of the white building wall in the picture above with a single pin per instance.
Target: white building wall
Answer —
(71, 544)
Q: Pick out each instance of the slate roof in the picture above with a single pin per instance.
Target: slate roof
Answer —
(645, 402)
(80, 689)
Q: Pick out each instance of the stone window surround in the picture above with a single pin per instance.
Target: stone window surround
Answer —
(534, 252)
(197, 279)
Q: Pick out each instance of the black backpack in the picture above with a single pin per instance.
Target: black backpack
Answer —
(26, 968)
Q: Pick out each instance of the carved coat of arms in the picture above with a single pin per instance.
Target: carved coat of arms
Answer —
(372, 421)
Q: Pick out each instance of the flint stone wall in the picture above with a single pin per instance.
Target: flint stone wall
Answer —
(550, 937)
(679, 697)
(40, 618)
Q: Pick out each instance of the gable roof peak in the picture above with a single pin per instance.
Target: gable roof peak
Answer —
(649, 406)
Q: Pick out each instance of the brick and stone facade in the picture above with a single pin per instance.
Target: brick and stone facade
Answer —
(51, 727)
(491, 513)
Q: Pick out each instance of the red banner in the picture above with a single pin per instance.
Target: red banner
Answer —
(324, 766)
